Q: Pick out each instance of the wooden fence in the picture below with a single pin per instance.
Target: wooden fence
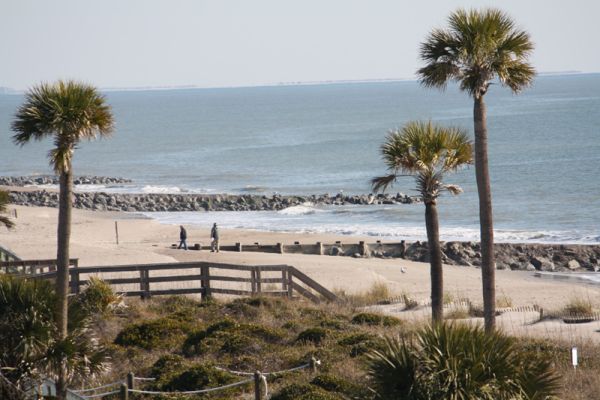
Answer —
(273, 280)
(32, 267)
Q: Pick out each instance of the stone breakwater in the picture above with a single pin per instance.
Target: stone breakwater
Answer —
(195, 202)
(529, 257)
(53, 180)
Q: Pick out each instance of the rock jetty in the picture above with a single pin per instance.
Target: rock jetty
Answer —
(21, 181)
(194, 202)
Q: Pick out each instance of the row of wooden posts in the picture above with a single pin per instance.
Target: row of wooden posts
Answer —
(129, 383)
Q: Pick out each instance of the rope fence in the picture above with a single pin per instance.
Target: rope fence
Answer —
(259, 379)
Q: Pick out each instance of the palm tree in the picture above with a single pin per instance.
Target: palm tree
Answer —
(460, 362)
(4, 200)
(478, 47)
(68, 112)
(427, 152)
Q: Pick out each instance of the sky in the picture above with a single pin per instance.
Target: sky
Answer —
(152, 43)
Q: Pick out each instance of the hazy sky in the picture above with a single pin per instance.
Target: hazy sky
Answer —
(133, 43)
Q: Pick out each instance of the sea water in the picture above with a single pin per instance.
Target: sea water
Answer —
(544, 150)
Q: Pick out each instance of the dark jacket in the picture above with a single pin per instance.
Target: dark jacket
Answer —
(182, 234)
(214, 233)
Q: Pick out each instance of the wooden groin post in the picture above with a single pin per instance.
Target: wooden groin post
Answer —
(320, 248)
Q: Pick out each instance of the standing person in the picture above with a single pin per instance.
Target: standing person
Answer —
(182, 238)
(214, 238)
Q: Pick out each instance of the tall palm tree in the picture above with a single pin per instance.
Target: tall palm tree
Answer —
(68, 112)
(477, 48)
(427, 152)
(4, 200)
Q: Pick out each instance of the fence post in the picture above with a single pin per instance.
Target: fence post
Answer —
(313, 365)
(258, 282)
(238, 247)
(253, 280)
(205, 282)
(257, 395)
(144, 284)
(130, 380)
(284, 279)
(320, 248)
(124, 394)
(290, 287)
(74, 280)
(280, 248)
(362, 248)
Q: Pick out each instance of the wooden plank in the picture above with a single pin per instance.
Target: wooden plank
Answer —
(229, 278)
(130, 293)
(114, 281)
(305, 292)
(313, 284)
(271, 280)
(232, 291)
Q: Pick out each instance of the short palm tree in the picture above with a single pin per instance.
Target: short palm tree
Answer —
(477, 48)
(460, 362)
(4, 200)
(68, 112)
(427, 152)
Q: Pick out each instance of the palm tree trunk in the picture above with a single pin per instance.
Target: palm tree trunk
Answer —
(435, 260)
(62, 268)
(488, 270)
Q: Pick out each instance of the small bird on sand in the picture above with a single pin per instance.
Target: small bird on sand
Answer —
(403, 270)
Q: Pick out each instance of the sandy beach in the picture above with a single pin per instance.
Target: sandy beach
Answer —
(143, 240)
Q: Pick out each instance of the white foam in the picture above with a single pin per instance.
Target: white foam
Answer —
(303, 209)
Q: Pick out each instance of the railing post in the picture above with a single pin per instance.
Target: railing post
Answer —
(290, 287)
(320, 248)
(253, 280)
(258, 282)
(144, 283)
(124, 394)
(74, 274)
(205, 272)
(130, 380)
(362, 248)
(284, 278)
(238, 247)
(280, 248)
(257, 395)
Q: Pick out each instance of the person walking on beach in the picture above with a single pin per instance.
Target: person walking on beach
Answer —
(182, 238)
(214, 238)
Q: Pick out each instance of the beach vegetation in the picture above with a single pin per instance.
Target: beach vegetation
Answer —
(578, 307)
(29, 342)
(68, 112)
(366, 318)
(478, 47)
(462, 362)
(427, 152)
(4, 201)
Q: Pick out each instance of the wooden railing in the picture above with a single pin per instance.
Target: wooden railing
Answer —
(7, 255)
(29, 267)
(273, 280)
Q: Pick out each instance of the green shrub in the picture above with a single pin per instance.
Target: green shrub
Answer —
(97, 297)
(373, 319)
(234, 343)
(458, 361)
(354, 339)
(332, 383)
(167, 365)
(314, 335)
(198, 377)
(162, 333)
(303, 391)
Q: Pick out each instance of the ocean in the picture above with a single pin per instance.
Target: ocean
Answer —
(544, 149)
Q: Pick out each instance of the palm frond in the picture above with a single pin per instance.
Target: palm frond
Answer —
(67, 110)
(381, 183)
(477, 47)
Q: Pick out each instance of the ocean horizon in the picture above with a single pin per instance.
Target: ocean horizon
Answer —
(544, 149)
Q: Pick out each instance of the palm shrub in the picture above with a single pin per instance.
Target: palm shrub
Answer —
(29, 342)
(477, 48)
(460, 362)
